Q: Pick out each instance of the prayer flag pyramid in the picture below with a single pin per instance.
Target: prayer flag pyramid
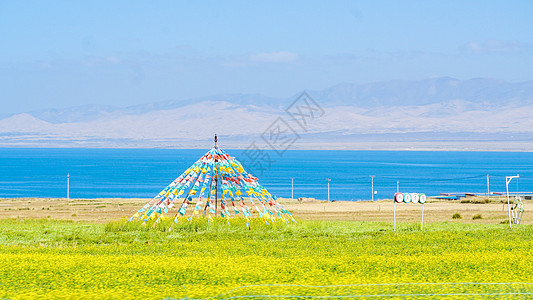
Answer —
(215, 183)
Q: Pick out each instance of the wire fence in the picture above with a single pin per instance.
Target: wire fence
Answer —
(380, 290)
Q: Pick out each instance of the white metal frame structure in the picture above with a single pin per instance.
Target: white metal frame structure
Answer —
(517, 210)
(410, 196)
(507, 181)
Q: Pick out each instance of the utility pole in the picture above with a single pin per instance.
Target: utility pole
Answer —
(372, 176)
(328, 179)
(488, 188)
(68, 186)
(397, 186)
(507, 180)
(292, 188)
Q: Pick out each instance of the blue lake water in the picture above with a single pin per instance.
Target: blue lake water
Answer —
(144, 172)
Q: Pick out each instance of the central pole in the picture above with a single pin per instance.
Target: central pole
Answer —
(216, 177)
(216, 193)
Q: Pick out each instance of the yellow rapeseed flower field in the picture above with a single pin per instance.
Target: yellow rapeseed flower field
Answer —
(52, 259)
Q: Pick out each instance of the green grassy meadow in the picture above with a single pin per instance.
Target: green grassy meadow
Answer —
(65, 259)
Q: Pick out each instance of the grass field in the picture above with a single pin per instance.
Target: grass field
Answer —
(46, 258)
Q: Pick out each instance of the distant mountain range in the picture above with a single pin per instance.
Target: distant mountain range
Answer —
(435, 113)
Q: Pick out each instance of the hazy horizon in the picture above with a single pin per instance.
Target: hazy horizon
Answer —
(123, 53)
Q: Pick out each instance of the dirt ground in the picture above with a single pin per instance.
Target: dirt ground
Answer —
(383, 211)
(88, 210)
(104, 210)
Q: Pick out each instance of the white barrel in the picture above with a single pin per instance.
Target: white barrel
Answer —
(398, 197)
(407, 198)
(422, 198)
(414, 197)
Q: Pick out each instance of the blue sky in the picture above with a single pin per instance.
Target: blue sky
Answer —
(56, 54)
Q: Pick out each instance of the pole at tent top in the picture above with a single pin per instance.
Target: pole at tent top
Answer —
(215, 140)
